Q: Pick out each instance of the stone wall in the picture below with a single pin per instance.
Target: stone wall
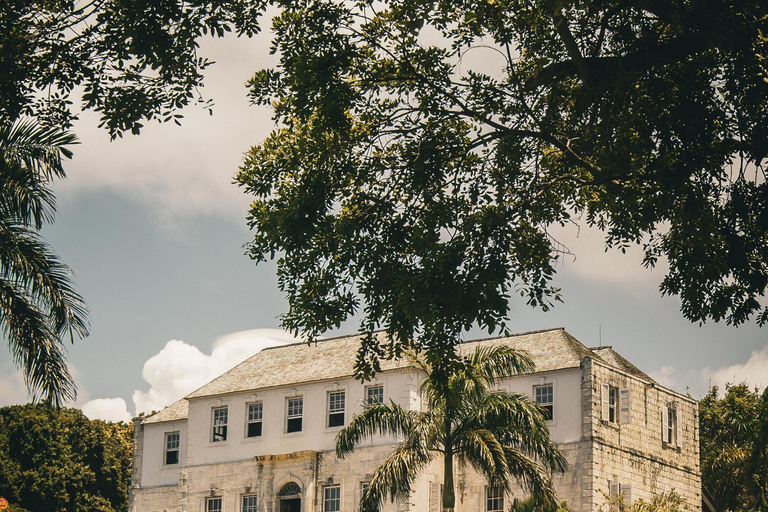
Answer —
(633, 453)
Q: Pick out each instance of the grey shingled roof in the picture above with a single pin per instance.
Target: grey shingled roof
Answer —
(613, 358)
(334, 358)
(176, 411)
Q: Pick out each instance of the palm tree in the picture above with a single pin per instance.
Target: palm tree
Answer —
(39, 306)
(502, 435)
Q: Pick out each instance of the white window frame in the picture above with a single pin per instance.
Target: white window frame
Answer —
(251, 419)
(248, 507)
(291, 413)
(209, 504)
(332, 498)
(551, 404)
(671, 426)
(616, 401)
(337, 408)
(219, 427)
(374, 389)
(169, 449)
(494, 498)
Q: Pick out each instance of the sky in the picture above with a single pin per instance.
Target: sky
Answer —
(153, 229)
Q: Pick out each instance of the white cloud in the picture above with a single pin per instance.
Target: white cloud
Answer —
(664, 376)
(108, 409)
(180, 368)
(754, 372)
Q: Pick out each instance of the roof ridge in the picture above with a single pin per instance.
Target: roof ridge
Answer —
(514, 335)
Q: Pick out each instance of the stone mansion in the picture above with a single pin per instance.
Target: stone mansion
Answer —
(261, 437)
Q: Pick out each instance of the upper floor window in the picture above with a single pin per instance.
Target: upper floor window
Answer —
(253, 427)
(332, 498)
(615, 404)
(249, 503)
(545, 397)
(494, 498)
(374, 394)
(220, 420)
(171, 448)
(671, 430)
(336, 407)
(213, 504)
(295, 413)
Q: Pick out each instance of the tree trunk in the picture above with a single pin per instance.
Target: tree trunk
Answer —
(449, 497)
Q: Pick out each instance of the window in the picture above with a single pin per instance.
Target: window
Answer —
(494, 498)
(620, 492)
(253, 426)
(615, 404)
(213, 505)
(336, 408)
(671, 430)
(374, 394)
(332, 498)
(220, 418)
(546, 399)
(249, 503)
(171, 448)
(295, 414)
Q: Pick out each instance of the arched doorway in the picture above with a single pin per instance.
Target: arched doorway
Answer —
(289, 498)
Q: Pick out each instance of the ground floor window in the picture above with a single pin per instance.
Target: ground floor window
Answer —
(213, 505)
(249, 503)
(332, 498)
(494, 498)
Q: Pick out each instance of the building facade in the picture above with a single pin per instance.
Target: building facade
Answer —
(261, 437)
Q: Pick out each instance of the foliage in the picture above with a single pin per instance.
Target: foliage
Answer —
(665, 502)
(57, 459)
(734, 447)
(39, 306)
(131, 59)
(414, 187)
(532, 504)
(502, 435)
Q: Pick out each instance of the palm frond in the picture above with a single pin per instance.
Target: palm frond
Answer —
(35, 347)
(483, 451)
(28, 262)
(531, 476)
(36, 147)
(395, 476)
(378, 418)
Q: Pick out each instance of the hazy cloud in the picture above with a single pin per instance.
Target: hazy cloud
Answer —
(664, 376)
(12, 388)
(754, 372)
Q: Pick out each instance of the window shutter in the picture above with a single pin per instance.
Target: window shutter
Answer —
(613, 492)
(624, 416)
(665, 423)
(604, 392)
(678, 428)
(434, 497)
(626, 491)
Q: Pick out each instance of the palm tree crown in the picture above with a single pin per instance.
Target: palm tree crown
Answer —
(502, 435)
(39, 306)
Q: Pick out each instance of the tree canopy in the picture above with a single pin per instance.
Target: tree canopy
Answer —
(410, 186)
(734, 447)
(57, 459)
(128, 60)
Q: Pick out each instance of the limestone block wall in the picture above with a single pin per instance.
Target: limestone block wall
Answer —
(632, 453)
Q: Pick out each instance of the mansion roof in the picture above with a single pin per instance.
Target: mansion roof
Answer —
(334, 358)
